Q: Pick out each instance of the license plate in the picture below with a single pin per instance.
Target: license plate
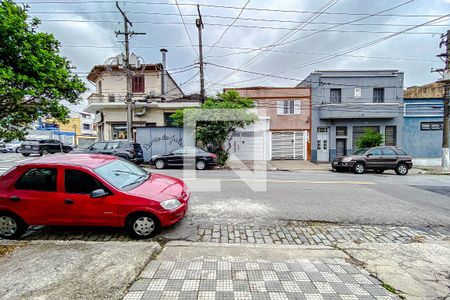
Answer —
(335, 163)
(27, 147)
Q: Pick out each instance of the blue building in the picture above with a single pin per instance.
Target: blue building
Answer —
(345, 103)
(423, 123)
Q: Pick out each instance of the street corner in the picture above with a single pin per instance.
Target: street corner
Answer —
(71, 270)
(414, 270)
(187, 270)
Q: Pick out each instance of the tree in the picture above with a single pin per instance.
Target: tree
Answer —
(224, 113)
(370, 139)
(34, 77)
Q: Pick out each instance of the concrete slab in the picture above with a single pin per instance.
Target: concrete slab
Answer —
(190, 250)
(72, 270)
(415, 270)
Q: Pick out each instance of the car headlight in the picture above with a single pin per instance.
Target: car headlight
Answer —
(347, 159)
(170, 204)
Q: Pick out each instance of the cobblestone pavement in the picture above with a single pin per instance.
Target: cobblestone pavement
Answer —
(240, 278)
(299, 233)
(292, 232)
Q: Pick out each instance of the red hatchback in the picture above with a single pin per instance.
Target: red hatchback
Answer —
(89, 190)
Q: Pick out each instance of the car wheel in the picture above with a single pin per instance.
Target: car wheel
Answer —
(401, 169)
(142, 226)
(26, 154)
(44, 152)
(359, 168)
(200, 165)
(160, 164)
(379, 171)
(17, 150)
(11, 226)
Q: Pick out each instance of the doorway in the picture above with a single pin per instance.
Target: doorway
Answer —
(323, 153)
(341, 147)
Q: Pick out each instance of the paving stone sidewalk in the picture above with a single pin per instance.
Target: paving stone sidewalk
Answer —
(243, 278)
(287, 232)
(300, 233)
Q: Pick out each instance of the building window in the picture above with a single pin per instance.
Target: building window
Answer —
(119, 131)
(111, 98)
(390, 136)
(431, 126)
(358, 132)
(290, 107)
(341, 130)
(168, 121)
(86, 126)
(138, 84)
(335, 95)
(378, 95)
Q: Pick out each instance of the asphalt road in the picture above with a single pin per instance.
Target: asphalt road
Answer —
(418, 201)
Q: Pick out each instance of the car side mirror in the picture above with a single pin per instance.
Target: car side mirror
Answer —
(99, 193)
(171, 153)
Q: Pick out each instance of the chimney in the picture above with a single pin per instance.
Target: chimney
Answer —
(163, 71)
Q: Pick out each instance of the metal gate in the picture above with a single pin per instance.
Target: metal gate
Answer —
(248, 145)
(288, 145)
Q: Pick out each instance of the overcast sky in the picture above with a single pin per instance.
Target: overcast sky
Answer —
(91, 39)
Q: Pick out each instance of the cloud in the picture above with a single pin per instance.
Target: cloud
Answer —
(423, 47)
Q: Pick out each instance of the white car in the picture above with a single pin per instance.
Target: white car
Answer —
(12, 146)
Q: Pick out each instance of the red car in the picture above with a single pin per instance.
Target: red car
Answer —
(89, 190)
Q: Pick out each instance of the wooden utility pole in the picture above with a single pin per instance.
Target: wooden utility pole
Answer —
(199, 24)
(128, 70)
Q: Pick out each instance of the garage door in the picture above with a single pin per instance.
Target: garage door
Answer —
(248, 145)
(288, 145)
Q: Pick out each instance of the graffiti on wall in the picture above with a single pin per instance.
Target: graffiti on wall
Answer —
(159, 140)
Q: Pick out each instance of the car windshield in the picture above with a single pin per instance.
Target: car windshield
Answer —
(360, 151)
(122, 174)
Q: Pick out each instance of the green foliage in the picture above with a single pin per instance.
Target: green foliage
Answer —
(216, 121)
(370, 139)
(34, 78)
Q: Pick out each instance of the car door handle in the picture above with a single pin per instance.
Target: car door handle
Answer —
(14, 199)
(68, 201)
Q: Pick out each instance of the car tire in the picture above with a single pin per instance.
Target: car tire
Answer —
(26, 154)
(142, 225)
(200, 165)
(43, 152)
(359, 168)
(11, 226)
(379, 171)
(160, 164)
(401, 169)
(17, 150)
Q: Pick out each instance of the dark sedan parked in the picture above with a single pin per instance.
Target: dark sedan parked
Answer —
(42, 147)
(378, 159)
(124, 149)
(185, 156)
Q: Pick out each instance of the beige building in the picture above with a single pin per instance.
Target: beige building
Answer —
(155, 96)
(431, 90)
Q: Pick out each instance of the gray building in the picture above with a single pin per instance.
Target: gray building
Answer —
(345, 103)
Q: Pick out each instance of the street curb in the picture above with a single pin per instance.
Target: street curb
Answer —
(250, 246)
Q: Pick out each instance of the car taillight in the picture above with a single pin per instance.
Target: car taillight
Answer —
(213, 156)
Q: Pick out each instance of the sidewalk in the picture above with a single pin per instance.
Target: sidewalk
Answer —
(278, 165)
(185, 270)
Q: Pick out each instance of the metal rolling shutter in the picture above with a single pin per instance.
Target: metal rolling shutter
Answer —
(287, 145)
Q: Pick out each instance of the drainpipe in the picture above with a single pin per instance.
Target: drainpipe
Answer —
(140, 113)
(163, 71)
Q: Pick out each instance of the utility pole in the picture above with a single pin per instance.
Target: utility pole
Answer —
(446, 81)
(199, 24)
(128, 70)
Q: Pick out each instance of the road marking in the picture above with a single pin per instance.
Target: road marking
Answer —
(286, 181)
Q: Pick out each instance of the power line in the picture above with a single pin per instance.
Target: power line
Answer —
(185, 28)
(224, 17)
(316, 30)
(228, 27)
(283, 38)
(233, 8)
